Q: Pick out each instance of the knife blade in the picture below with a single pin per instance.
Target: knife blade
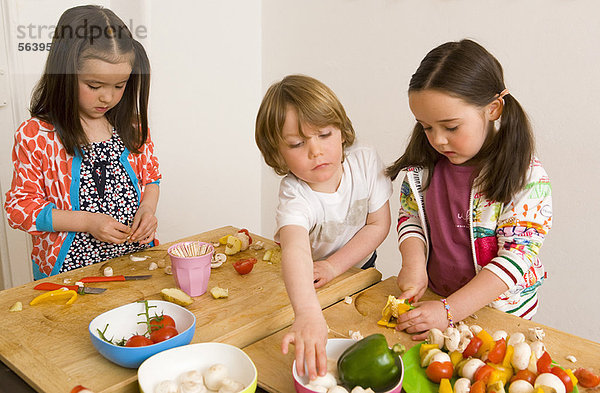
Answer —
(114, 278)
(50, 286)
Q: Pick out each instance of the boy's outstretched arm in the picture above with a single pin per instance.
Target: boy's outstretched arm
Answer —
(309, 330)
(357, 249)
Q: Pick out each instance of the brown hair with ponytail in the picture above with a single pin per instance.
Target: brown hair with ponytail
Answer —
(468, 71)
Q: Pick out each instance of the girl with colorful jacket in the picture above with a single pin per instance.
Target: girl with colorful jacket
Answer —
(85, 180)
(475, 203)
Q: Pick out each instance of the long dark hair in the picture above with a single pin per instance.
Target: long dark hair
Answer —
(92, 32)
(468, 71)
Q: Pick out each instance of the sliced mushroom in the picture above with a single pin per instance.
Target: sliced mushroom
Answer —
(538, 348)
(435, 336)
(536, 333)
(451, 339)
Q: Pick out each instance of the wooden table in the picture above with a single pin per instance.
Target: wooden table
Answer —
(48, 345)
(275, 369)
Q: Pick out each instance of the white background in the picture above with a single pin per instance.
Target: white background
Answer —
(213, 60)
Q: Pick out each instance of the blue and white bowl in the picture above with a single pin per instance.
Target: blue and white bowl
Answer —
(123, 323)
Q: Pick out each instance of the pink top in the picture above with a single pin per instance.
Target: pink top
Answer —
(447, 199)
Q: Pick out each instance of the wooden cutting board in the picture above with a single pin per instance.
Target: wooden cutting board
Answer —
(274, 368)
(48, 345)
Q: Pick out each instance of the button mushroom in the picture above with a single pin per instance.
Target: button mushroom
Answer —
(515, 338)
(470, 367)
(521, 355)
(520, 386)
(462, 385)
(498, 334)
(549, 380)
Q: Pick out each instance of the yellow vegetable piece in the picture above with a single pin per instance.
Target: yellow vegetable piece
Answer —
(56, 294)
(455, 357)
(392, 309)
(177, 296)
(18, 306)
(426, 348)
(496, 387)
(508, 356)
(500, 373)
(488, 343)
(223, 240)
(233, 246)
(445, 386)
(572, 376)
(218, 292)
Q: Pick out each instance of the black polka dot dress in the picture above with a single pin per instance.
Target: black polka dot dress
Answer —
(105, 188)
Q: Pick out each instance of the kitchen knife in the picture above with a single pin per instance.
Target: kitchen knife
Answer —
(50, 286)
(114, 278)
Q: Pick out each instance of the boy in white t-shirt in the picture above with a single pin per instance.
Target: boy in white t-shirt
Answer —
(333, 201)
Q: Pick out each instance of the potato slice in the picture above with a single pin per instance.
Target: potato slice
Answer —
(177, 296)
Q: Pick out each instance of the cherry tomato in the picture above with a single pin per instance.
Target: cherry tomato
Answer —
(525, 375)
(586, 378)
(478, 387)
(244, 266)
(473, 347)
(138, 341)
(160, 321)
(483, 373)
(544, 363)
(163, 334)
(496, 355)
(564, 377)
(438, 370)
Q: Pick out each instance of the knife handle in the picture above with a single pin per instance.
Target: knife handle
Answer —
(102, 279)
(50, 286)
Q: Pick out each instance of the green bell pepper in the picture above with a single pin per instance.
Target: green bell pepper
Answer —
(369, 363)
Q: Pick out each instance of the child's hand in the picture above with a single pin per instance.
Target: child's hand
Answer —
(413, 282)
(425, 316)
(144, 226)
(106, 229)
(309, 335)
(323, 272)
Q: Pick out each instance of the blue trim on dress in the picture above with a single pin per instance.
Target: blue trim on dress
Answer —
(43, 221)
(75, 184)
(37, 275)
(132, 176)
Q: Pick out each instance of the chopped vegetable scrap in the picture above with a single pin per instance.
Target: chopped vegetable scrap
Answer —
(177, 296)
(392, 309)
(218, 292)
(272, 255)
(18, 306)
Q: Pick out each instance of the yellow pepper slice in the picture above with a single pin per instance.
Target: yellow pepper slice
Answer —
(445, 386)
(508, 356)
(488, 343)
(572, 376)
(58, 293)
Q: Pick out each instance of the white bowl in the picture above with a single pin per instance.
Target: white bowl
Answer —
(123, 323)
(171, 364)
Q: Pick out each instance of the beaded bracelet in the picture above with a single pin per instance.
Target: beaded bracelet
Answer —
(448, 313)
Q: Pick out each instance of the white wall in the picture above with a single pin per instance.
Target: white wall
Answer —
(206, 59)
(366, 51)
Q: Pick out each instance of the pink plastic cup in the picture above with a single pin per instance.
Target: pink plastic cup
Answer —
(192, 273)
